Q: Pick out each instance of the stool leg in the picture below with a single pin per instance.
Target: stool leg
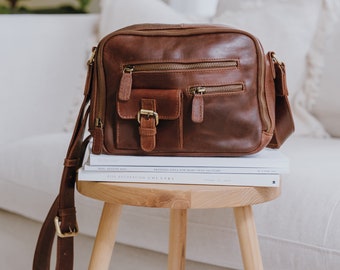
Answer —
(247, 235)
(105, 239)
(177, 239)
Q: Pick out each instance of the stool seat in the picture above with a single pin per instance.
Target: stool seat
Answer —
(178, 198)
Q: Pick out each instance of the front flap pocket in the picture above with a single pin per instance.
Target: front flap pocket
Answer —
(150, 120)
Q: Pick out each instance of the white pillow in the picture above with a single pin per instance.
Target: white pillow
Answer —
(195, 9)
(286, 27)
(120, 13)
(323, 94)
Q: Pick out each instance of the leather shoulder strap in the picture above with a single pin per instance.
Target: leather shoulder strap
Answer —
(284, 123)
(62, 215)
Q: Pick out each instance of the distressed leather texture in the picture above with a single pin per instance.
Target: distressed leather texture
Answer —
(232, 112)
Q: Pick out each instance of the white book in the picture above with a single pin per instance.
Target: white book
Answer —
(186, 169)
(232, 179)
(267, 158)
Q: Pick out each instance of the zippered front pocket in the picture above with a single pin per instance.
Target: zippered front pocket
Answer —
(172, 67)
(198, 93)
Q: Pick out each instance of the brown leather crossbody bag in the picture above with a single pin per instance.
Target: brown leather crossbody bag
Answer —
(184, 90)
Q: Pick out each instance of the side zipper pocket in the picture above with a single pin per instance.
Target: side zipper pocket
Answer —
(198, 92)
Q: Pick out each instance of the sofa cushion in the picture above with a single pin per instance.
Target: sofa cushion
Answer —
(286, 27)
(323, 94)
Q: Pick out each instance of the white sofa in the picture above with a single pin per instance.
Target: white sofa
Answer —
(41, 78)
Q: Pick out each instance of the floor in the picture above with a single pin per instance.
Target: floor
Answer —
(18, 236)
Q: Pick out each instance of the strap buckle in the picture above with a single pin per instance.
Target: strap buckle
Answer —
(147, 113)
(71, 233)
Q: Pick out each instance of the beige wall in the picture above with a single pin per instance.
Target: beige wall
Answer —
(93, 7)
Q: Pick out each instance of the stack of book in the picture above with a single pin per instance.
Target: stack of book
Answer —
(261, 169)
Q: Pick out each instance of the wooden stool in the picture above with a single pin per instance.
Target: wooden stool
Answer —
(178, 198)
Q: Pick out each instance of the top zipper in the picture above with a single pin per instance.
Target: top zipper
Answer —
(178, 66)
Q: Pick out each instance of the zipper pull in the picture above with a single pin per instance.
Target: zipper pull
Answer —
(98, 137)
(197, 110)
(125, 84)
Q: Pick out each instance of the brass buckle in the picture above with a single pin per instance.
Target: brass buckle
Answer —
(148, 113)
(71, 233)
